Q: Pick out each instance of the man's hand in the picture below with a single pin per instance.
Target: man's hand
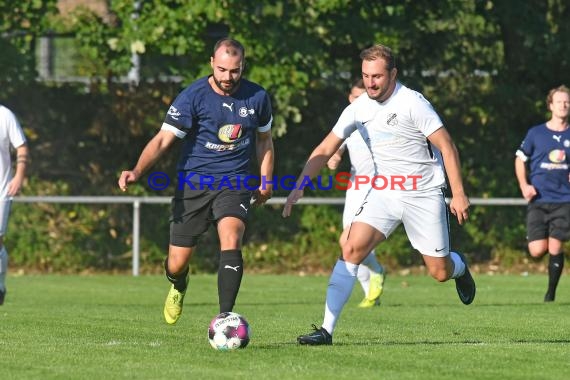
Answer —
(127, 176)
(334, 161)
(260, 196)
(528, 192)
(14, 186)
(459, 206)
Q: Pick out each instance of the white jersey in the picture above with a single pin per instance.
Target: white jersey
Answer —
(360, 157)
(395, 133)
(360, 164)
(11, 134)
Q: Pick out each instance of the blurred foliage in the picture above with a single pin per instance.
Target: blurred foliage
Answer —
(20, 23)
(485, 65)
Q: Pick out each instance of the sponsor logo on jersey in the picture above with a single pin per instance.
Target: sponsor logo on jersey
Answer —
(557, 156)
(230, 106)
(224, 147)
(230, 132)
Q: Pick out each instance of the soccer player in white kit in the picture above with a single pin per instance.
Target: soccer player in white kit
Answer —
(399, 126)
(370, 272)
(11, 134)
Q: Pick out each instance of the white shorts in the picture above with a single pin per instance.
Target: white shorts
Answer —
(352, 202)
(423, 213)
(5, 204)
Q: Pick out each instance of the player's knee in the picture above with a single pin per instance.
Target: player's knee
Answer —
(230, 240)
(347, 250)
(537, 251)
(350, 253)
(537, 248)
(536, 254)
(175, 265)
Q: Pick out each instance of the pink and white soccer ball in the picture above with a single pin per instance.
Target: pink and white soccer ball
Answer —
(228, 331)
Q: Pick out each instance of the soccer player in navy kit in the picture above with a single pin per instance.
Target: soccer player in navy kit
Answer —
(223, 120)
(543, 174)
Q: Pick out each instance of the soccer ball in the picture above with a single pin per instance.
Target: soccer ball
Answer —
(228, 331)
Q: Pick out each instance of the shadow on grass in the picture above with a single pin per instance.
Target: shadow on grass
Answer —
(474, 304)
(360, 343)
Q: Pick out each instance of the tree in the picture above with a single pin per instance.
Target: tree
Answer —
(484, 65)
(20, 23)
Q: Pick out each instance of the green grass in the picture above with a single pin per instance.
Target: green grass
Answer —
(111, 327)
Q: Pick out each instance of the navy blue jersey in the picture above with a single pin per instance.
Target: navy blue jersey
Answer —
(547, 153)
(219, 131)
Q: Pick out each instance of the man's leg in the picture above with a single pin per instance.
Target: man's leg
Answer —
(5, 205)
(361, 240)
(555, 267)
(176, 268)
(453, 266)
(370, 274)
(3, 271)
(427, 226)
(371, 277)
(542, 221)
(230, 270)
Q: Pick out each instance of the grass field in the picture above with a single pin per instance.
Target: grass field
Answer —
(111, 327)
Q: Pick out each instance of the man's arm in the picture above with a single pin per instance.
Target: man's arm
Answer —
(317, 160)
(149, 156)
(527, 190)
(459, 204)
(15, 184)
(265, 157)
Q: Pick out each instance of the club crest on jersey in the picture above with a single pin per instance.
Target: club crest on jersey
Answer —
(243, 111)
(392, 119)
(230, 132)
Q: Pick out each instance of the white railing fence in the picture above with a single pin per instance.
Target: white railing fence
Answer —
(138, 201)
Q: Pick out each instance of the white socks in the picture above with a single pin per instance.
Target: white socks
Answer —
(339, 289)
(369, 264)
(3, 267)
(458, 265)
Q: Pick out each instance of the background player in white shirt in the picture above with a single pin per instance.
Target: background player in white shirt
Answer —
(399, 125)
(11, 135)
(370, 272)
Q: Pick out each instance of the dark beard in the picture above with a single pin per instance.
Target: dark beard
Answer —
(230, 89)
